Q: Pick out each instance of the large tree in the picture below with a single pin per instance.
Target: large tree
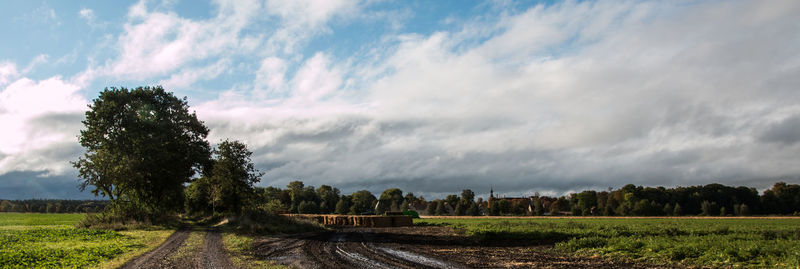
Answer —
(232, 177)
(142, 145)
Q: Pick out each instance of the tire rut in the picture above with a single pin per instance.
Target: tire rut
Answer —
(157, 257)
(343, 250)
(211, 254)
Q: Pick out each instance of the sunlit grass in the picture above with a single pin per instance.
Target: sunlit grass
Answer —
(52, 241)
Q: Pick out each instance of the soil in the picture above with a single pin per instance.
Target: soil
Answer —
(157, 258)
(211, 255)
(398, 247)
(415, 247)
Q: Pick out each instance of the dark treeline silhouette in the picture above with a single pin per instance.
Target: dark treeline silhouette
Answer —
(53, 206)
(708, 200)
(630, 200)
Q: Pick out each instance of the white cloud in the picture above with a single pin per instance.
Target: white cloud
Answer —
(303, 19)
(41, 120)
(569, 96)
(8, 72)
(87, 14)
(315, 80)
(270, 77)
(157, 43)
(190, 76)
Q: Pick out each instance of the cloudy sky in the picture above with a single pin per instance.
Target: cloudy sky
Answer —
(429, 96)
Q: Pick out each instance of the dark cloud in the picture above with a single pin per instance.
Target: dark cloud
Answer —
(786, 132)
(37, 185)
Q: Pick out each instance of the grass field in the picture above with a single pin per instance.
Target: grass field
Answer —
(694, 242)
(30, 240)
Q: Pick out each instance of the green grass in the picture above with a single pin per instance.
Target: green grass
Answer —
(38, 219)
(692, 242)
(52, 241)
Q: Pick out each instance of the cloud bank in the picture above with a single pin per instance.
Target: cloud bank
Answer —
(549, 98)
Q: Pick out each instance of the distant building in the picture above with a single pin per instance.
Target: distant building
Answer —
(528, 201)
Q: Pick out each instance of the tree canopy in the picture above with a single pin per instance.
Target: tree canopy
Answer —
(142, 145)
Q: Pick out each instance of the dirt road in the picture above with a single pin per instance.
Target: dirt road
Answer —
(175, 253)
(413, 247)
(399, 247)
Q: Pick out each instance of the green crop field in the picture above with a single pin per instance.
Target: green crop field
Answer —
(31, 240)
(692, 242)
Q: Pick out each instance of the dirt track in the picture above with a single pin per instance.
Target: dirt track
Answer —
(210, 255)
(399, 247)
(413, 247)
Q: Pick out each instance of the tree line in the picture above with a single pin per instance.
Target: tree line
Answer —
(630, 200)
(52, 206)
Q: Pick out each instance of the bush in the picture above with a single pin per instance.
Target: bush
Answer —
(307, 207)
(121, 217)
(411, 213)
(255, 221)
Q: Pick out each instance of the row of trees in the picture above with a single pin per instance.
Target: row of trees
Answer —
(708, 200)
(630, 200)
(52, 206)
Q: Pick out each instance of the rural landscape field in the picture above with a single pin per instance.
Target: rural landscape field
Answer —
(32, 240)
(400, 134)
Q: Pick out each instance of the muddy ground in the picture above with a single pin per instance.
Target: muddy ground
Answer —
(415, 247)
(211, 254)
(399, 247)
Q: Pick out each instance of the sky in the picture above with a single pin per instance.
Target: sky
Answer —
(429, 96)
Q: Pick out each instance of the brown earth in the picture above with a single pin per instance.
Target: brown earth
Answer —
(211, 255)
(415, 247)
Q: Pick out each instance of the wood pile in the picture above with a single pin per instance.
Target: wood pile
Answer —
(358, 220)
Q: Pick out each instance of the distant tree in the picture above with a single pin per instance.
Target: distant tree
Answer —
(329, 196)
(668, 210)
(6, 206)
(709, 208)
(390, 200)
(503, 207)
(519, 207)
(404, 207)
(744, 210)
(307, 207)
(431, 209)
(678, 211)
(343, 205)
(452, 199)
(232, 176)
(362, 202)
(296, 194)
(440, 209)
(274, 206)
(723, 211)
(460, 210)
(473, 210)
(538, 208)
(142, 145)
(467, 196)
(586, 202)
